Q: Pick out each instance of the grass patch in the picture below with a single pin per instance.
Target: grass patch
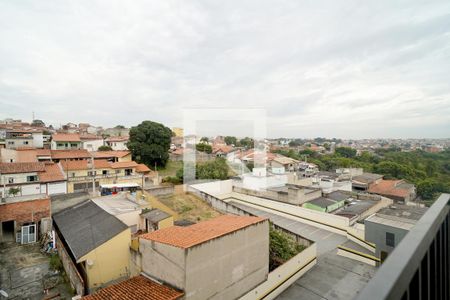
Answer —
(189, 207)
(171, 168)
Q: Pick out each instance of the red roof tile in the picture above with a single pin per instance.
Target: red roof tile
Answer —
(186, 237)
(142, 168)
(124, 164)
(388, 187)
(70, 154)
(72, 165)
(51, 173)
(138, 287)
(110, 154)
(21, 167)
(66, 137)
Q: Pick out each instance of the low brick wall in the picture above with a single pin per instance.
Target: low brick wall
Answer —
(76, 281)
(25, 211)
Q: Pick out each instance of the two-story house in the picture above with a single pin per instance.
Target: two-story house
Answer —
(66, 141)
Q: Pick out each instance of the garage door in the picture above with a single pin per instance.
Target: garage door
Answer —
(56, 188)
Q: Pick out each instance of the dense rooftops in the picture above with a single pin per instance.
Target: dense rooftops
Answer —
(186, 237)
(21, 167)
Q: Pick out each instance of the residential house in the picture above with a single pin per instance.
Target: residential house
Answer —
(31, 178)
(112, 156)
(24, 219)
(221, 150)
(66, 141)
(388, 226)
(24, 138)
(93, 245)
(282, 164)
(91, 142)
(117, 142)
(178, 131)
(155, 219)
(82, 173)
(222, 258)
(363, 181)
(398, 190)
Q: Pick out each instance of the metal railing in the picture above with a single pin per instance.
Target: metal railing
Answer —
(418, 268)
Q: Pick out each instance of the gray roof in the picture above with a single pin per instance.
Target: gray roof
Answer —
(367, 177)
(403, 211)
(86, 226)
(322, 202)
(338, 196)
(155, 215)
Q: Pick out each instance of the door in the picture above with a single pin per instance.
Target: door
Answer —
(28, 234)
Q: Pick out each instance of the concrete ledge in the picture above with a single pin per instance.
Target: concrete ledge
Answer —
(285, 275)
(359, 256)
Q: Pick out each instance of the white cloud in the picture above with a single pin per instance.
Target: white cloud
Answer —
(323, 68)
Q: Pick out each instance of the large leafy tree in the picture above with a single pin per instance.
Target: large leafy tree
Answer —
(149, 143)
(231, 140)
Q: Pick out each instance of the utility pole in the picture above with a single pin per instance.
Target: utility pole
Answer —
(93, 175)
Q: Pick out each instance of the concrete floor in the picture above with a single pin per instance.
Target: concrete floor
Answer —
(22, 272)
(333, 277)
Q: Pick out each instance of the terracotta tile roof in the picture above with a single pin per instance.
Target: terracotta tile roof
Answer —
(138, 287)
(222, 148)
(43, 152)
(117, 139)
(142, 168)
(186, 237)
(110, 154)
(26, 155)
(66, 137)
(124, 164)
(21, 167)
(389, 188)
(70, 154)
(88, 136)
(72, 165)
(51, 173)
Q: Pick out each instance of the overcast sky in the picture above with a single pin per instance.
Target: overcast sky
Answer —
(349, 69)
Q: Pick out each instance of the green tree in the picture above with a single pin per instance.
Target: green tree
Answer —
(346, 152)
(120, 127)
(231, 140)
(247, 143)
(203, 148)
(204, 139)
(149, 143)
(104, 148)
(216, 169)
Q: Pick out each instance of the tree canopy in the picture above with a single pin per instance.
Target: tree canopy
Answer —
(203, 148)
(231, 140)
(149, 143)
(104, 148)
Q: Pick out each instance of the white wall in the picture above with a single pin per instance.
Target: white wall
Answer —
(92, 145)
(38, 140)
(54, 188)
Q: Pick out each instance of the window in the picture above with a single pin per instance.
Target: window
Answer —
(10, 143)
(128, 172)
(91, 173)
(390, 239)
(10, 180)
(60, 145)
(73, 174)
(117, 171)
(32, 178)
(25, 142)
(105, 172)
(73, 145)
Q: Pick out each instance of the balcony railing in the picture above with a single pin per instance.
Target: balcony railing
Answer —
(418, 268)
(102, 176)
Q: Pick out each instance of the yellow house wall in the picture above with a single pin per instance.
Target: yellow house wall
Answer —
(121, 178)
(111, 260)
(165, 223)
(125, 158)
